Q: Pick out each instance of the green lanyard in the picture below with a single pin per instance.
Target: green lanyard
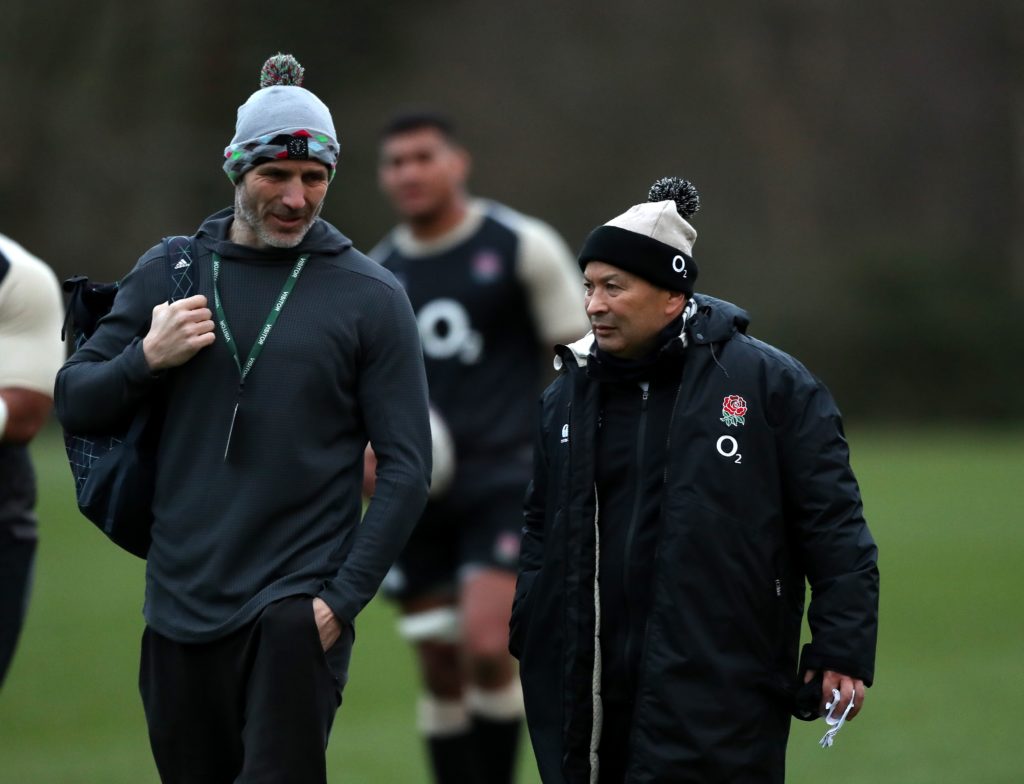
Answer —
(268, 325)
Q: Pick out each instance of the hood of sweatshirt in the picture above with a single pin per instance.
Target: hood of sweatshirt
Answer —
(321, 239)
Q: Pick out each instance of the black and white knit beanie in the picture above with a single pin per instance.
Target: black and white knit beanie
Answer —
(281, 120)
(652, 240)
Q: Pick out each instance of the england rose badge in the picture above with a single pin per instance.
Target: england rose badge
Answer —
(734, 409)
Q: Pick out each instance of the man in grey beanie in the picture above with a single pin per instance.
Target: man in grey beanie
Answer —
(688, 482)
(295, 352)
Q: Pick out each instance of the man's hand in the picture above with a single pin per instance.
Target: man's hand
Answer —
(326, 623)
(846, 685)
(177, 332)
(26, 414)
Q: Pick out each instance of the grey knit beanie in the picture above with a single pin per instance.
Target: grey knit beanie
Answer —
(653, 240)
(281, 120)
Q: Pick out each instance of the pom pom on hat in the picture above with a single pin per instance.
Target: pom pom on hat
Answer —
(281, 120)
(682, 192)
(282, 69)
(652, 240)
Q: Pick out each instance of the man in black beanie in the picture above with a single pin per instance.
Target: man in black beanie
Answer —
(688, 480)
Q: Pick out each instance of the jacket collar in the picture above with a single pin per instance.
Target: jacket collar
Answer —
(715, 321)
(577, 352)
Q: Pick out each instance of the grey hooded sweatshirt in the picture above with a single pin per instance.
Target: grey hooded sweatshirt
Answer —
(279, 515)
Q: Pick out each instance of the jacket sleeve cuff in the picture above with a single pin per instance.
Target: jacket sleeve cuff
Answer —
(812, 660)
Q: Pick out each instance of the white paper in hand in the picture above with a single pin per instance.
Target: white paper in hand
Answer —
(835, 724)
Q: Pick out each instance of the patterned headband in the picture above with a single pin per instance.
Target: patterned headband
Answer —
(296, 144)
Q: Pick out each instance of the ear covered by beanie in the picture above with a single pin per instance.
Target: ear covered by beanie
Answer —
(281, 120)
(652, 240)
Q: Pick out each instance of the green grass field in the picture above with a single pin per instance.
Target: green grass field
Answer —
(945, 507)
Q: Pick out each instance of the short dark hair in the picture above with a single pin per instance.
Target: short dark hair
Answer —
(418, 120)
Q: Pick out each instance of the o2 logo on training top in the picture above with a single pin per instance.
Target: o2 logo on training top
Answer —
(446, 332)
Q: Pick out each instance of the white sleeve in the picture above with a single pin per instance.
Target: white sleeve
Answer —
(31, 312)
(548, 271)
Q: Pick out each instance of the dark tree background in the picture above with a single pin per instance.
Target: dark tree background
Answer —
(861, 164)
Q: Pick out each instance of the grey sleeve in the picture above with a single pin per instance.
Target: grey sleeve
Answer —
(553, 281)
(30, 318)
(392, 396)
(106, 378)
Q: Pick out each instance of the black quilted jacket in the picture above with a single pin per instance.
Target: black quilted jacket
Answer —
(759, 498)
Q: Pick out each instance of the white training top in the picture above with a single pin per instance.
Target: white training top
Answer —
(31, 312)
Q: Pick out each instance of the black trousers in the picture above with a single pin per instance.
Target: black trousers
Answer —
(255, 707)
(17, 556)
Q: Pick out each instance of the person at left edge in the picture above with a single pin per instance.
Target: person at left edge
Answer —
(30, 355)
(259, 563)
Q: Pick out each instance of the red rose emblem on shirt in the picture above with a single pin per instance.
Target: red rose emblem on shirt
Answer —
(735, 405)
(734, 409)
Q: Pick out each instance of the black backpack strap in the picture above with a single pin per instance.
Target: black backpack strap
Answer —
(88, 302)
(72, 286)
(180, 257)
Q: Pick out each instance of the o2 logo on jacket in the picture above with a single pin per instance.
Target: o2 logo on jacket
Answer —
(728, 446)
(446, 332)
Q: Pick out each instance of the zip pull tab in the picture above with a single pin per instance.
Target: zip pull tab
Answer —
(234, 416)
(231, 431)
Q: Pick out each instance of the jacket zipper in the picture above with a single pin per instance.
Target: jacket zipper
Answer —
(634, 521)
(654, 566)
(596, 705)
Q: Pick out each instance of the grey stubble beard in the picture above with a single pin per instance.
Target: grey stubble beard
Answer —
(246, 214)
